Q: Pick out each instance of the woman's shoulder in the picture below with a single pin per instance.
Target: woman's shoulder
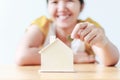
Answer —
(42, 23)
(91, 21)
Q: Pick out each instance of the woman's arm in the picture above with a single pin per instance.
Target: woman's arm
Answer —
(107, 53)
(27, 51)
(97, 39)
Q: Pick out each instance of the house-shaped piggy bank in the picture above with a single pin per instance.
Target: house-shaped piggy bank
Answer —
(56, 57)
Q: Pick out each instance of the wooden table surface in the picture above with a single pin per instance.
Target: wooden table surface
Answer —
(83, 72)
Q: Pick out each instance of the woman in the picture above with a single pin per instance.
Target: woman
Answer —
(64, 22)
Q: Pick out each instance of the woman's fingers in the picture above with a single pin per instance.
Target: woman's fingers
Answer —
(79, 27)
(84, 32)
(90, 37)
(88, 33)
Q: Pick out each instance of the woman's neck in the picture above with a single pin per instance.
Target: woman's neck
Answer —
(62, 35)
(63, 32)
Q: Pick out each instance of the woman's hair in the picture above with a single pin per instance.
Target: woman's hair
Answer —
(81, 1)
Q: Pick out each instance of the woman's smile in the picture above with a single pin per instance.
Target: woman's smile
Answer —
(63, 18)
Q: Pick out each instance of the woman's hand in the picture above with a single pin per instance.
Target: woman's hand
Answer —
(83, 57)
(89, 33)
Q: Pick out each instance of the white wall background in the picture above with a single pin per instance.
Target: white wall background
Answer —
(16, 15)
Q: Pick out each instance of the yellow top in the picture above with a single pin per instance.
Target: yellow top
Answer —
(43, 23)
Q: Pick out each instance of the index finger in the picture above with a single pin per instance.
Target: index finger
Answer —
(79, 26)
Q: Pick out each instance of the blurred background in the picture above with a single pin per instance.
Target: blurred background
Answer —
(16, 16)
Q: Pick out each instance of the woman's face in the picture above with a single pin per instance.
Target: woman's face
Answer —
(64, 12)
